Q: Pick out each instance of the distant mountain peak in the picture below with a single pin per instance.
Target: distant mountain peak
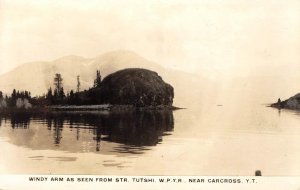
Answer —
(120, 54)
(70, 58)
(37, 77)
(70, 67)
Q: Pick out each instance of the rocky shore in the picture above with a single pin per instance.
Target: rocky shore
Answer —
(291, 103)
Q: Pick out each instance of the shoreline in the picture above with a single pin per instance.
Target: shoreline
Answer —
(85, 108)
(281, 106)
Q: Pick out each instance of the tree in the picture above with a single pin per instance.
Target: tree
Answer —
(97, 81)
(14, 94)
(62, 93)
(1, 95)
(279, 101)
(58, 82)
(59, 93)
(71, 97)
(49, 96)
(78, 83)
(71, 94)
(27, 94)
(55, 95)
(13, 98)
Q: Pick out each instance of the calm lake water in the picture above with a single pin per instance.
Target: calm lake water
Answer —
(233, 139)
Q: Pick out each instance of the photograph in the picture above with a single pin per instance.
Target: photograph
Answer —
(165, 93)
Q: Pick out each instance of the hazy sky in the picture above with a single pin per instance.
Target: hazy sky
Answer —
(229, 37)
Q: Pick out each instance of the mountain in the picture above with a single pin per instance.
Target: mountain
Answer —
(37, 77)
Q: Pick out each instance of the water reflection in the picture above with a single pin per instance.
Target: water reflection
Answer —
(131, 132)
(20, 121)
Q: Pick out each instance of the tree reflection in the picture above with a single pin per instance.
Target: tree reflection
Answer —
(131, 130)
(139, 128)
(58, 127)
(20, 120)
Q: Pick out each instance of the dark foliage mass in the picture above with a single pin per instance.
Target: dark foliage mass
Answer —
(136, 87)
(139, 87)
(11, 100)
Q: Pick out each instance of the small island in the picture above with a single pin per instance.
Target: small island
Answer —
(132, 88)
(291, 103)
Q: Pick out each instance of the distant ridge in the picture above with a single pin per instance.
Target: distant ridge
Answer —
(37, 77)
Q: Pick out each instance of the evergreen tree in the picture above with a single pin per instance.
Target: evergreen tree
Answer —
(49, 96)
(71, 99)
(78, 83)
(13, 98)
(27, 94)
(58, 82)
(97, 81)
(55, 96)
(21, 95)
(62, 93)
(71, 94)
(58, 91)
(14, 94)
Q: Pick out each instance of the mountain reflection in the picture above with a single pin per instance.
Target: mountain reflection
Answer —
(129, 132)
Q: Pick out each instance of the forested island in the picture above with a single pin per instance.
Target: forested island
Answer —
(124, 89)
(291, 103)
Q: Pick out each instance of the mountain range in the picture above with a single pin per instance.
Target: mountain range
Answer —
(37, 77)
